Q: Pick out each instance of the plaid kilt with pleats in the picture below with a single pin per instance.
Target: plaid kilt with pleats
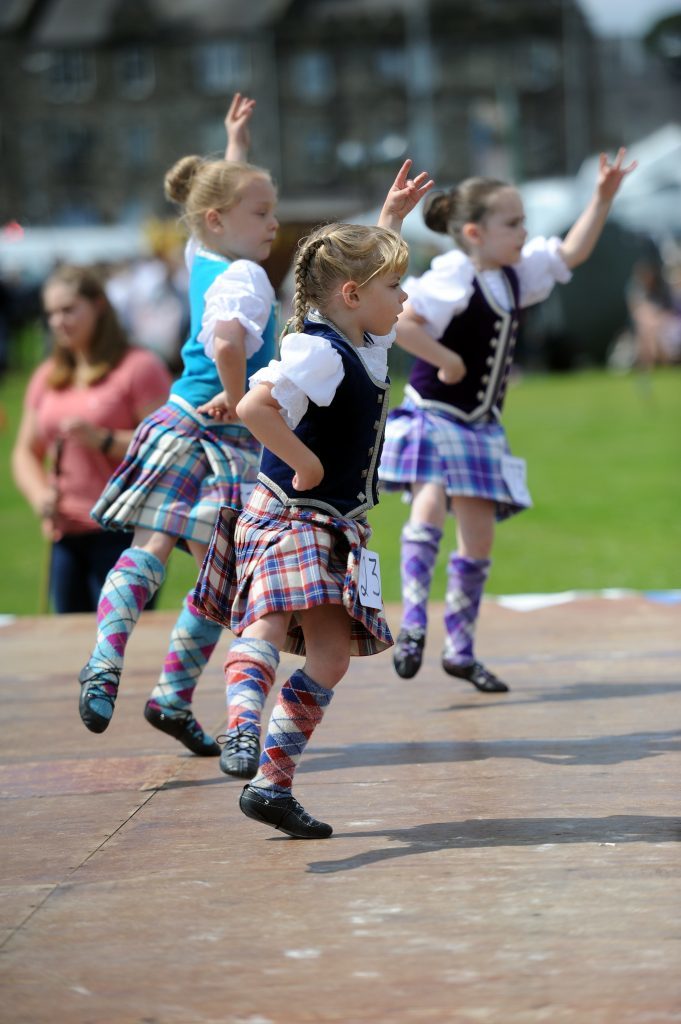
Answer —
(273, 558)
(179, 469)
(424, 446)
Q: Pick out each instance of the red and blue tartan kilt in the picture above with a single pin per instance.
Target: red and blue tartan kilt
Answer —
(179, 469)
(425, 446)
(275, 558)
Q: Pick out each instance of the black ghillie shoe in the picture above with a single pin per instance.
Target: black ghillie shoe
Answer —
(240, 753)
(284, 814)
(408, 653)
(481, 677)
(96, 705)
(182, 726)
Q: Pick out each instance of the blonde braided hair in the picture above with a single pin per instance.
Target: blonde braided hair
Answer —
(342, 252)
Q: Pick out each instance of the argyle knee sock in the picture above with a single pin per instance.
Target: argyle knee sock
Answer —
(299, 709)
(134, 579)
(419, 548)
(192, 642)
(466, 579)
(250, 668)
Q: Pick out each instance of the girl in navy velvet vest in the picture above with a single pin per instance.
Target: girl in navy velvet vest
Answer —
(301, 578)
(191, 456)
(445, 445)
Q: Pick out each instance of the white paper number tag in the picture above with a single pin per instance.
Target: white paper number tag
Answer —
(514, 472)
(370, 580)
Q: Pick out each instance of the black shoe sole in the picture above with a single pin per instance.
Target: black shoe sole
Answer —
(267, 812)
(177, 728)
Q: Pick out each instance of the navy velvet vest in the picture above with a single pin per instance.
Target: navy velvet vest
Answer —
(484, 335)
(346, 436)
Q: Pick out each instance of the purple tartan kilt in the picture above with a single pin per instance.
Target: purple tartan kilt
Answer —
(424, 446)
(178, 471)
(273, 558)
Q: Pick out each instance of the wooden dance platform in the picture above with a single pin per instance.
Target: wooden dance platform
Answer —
(496, 860)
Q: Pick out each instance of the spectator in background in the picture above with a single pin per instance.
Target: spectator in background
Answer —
(80, 410)
(655, 312)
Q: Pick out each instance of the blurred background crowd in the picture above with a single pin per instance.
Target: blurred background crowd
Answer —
(98, 99)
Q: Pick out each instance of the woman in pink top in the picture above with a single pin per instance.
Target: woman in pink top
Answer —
(81, 407)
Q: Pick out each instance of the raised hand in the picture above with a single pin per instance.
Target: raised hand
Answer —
(237, 126)
(611, 175)
(403, 195)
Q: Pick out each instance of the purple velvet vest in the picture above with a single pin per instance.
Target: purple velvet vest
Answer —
(484, 335)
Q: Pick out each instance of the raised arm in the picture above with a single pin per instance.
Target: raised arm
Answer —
(582, 237)
(261, 413)
(238, 129)
(403, 195)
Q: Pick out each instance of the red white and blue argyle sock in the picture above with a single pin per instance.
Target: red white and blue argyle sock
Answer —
(192, 642)
(250, 668)
(420, 545)
(134, 579)
(466, 578)
(298, 711)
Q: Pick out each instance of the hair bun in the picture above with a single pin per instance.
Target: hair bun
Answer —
(438, 209)
(178, 180)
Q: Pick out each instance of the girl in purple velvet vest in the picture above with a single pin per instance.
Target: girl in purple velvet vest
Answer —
(301, 578)
(445, 445)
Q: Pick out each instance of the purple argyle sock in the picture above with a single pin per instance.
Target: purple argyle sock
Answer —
(466, 579)
(420, 545)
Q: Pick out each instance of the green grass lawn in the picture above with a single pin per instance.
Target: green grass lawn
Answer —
(604, 468)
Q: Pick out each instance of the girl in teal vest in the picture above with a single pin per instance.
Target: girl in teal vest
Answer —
(192, 455)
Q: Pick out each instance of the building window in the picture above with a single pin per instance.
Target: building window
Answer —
(223, 67)
(135, 73)
(72, 149)
(391, 64)
(313, 77)
(138, 145)
(71, 76)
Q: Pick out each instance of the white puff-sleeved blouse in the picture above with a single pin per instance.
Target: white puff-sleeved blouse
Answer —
(241, 292)
(446, 288)
(310, 370)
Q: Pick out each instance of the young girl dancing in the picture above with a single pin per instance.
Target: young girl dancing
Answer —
(297, 578)
(192, 455)
(445, 444)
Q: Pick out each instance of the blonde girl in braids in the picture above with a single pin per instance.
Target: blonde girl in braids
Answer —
(298, 580)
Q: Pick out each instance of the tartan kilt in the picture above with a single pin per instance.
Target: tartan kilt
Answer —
(179, 469)
(273, 558)
(425, 446)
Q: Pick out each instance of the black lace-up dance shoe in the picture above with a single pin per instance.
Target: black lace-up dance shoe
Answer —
(408, 653)
(481, 677)
(240, 753)
(182, 726)
(284, 814)
(96, 705)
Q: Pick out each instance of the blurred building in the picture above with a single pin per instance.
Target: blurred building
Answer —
(99, 98)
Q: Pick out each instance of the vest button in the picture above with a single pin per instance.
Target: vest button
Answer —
(493, 343)
(377, 424)
(490, 360)
(371, 451)
(498, 325)
(480, 395)
(379, 398)
(485, 379)
(365, 473)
